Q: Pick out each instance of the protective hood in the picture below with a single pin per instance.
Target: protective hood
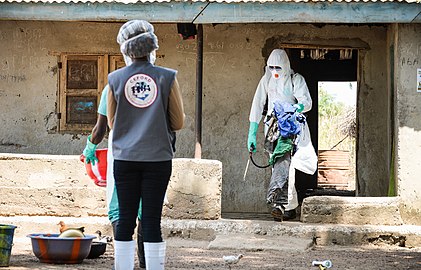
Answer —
(280, 89)
(278, 58)
(279, 80)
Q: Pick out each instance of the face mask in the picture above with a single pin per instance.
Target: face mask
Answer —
(275, 74)
(127, 60)
(152, 57)
(275, 71)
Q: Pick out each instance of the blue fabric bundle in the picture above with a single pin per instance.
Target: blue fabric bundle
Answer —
(287, 119)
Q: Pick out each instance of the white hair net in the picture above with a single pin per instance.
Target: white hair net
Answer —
(137, 39)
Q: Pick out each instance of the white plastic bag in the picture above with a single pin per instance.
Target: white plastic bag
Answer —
(305, 158)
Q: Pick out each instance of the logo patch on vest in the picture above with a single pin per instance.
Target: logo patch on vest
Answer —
(141, 90)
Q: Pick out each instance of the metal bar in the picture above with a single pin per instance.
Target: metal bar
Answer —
(157, 12)
(241, 12)
(311, 12)
(199, 78)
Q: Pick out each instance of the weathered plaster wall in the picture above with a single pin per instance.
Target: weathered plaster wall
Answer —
(194, 189)
(408, 125)
(29, 81)
(58, 185)
(373, 113)
(233, 64)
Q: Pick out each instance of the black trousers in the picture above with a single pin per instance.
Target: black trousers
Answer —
(136, 180)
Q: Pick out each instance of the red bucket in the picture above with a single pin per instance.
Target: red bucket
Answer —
(97, 172)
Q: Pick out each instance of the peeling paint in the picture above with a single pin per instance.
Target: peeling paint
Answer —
(2, 143)
(76, 137)
(53, 70)
(47, 118)
(389, 239)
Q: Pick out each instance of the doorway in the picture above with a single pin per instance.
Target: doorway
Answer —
(319, 66)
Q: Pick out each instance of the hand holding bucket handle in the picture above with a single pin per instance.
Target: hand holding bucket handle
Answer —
(97, 171)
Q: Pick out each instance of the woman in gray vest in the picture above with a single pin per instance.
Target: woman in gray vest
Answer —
(144, 108)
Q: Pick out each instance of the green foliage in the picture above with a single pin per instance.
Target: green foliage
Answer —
(335, 119)
(331, 117)
(327, 105)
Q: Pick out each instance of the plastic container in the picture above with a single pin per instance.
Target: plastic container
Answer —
(6, 242)
(97, 249)
(49, 248)
(98, 172)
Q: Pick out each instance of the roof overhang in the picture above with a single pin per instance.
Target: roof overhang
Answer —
(215, 12)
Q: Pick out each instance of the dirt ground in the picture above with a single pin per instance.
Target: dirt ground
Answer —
(189, 254)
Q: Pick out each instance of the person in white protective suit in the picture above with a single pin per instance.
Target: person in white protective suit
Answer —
(279, 84)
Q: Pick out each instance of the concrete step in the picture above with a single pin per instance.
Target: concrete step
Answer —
(60, 201)
(58, 185)
(209, 230)
(49, 224)
(48, 185)
(352, 210)
(42, 171)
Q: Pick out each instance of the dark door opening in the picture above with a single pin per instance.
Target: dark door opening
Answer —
(317, 65)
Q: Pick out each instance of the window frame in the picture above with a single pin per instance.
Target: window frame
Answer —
(105, 64)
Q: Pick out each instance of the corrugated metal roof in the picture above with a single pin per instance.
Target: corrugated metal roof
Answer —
(218, 1)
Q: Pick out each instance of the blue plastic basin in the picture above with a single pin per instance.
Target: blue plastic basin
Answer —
(49, 248)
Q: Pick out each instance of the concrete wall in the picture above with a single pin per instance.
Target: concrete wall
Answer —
(233, 64)
(373, 114)
(408, 122)
(58, 185)
(194, 189)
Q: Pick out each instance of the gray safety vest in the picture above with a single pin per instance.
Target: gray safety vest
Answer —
(141, 125)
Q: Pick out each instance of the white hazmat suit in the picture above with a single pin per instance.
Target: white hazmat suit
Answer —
(279, 84)
(280, 88)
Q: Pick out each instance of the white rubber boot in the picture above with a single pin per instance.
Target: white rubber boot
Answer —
(155, 255)
(124, 252)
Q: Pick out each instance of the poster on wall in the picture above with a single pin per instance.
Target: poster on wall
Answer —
(418, 79)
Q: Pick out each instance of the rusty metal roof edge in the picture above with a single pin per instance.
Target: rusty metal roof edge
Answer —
(210, 1)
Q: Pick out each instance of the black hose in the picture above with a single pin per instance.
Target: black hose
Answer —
(254, 163)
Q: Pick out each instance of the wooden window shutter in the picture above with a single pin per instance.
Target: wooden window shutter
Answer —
(82, 78)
